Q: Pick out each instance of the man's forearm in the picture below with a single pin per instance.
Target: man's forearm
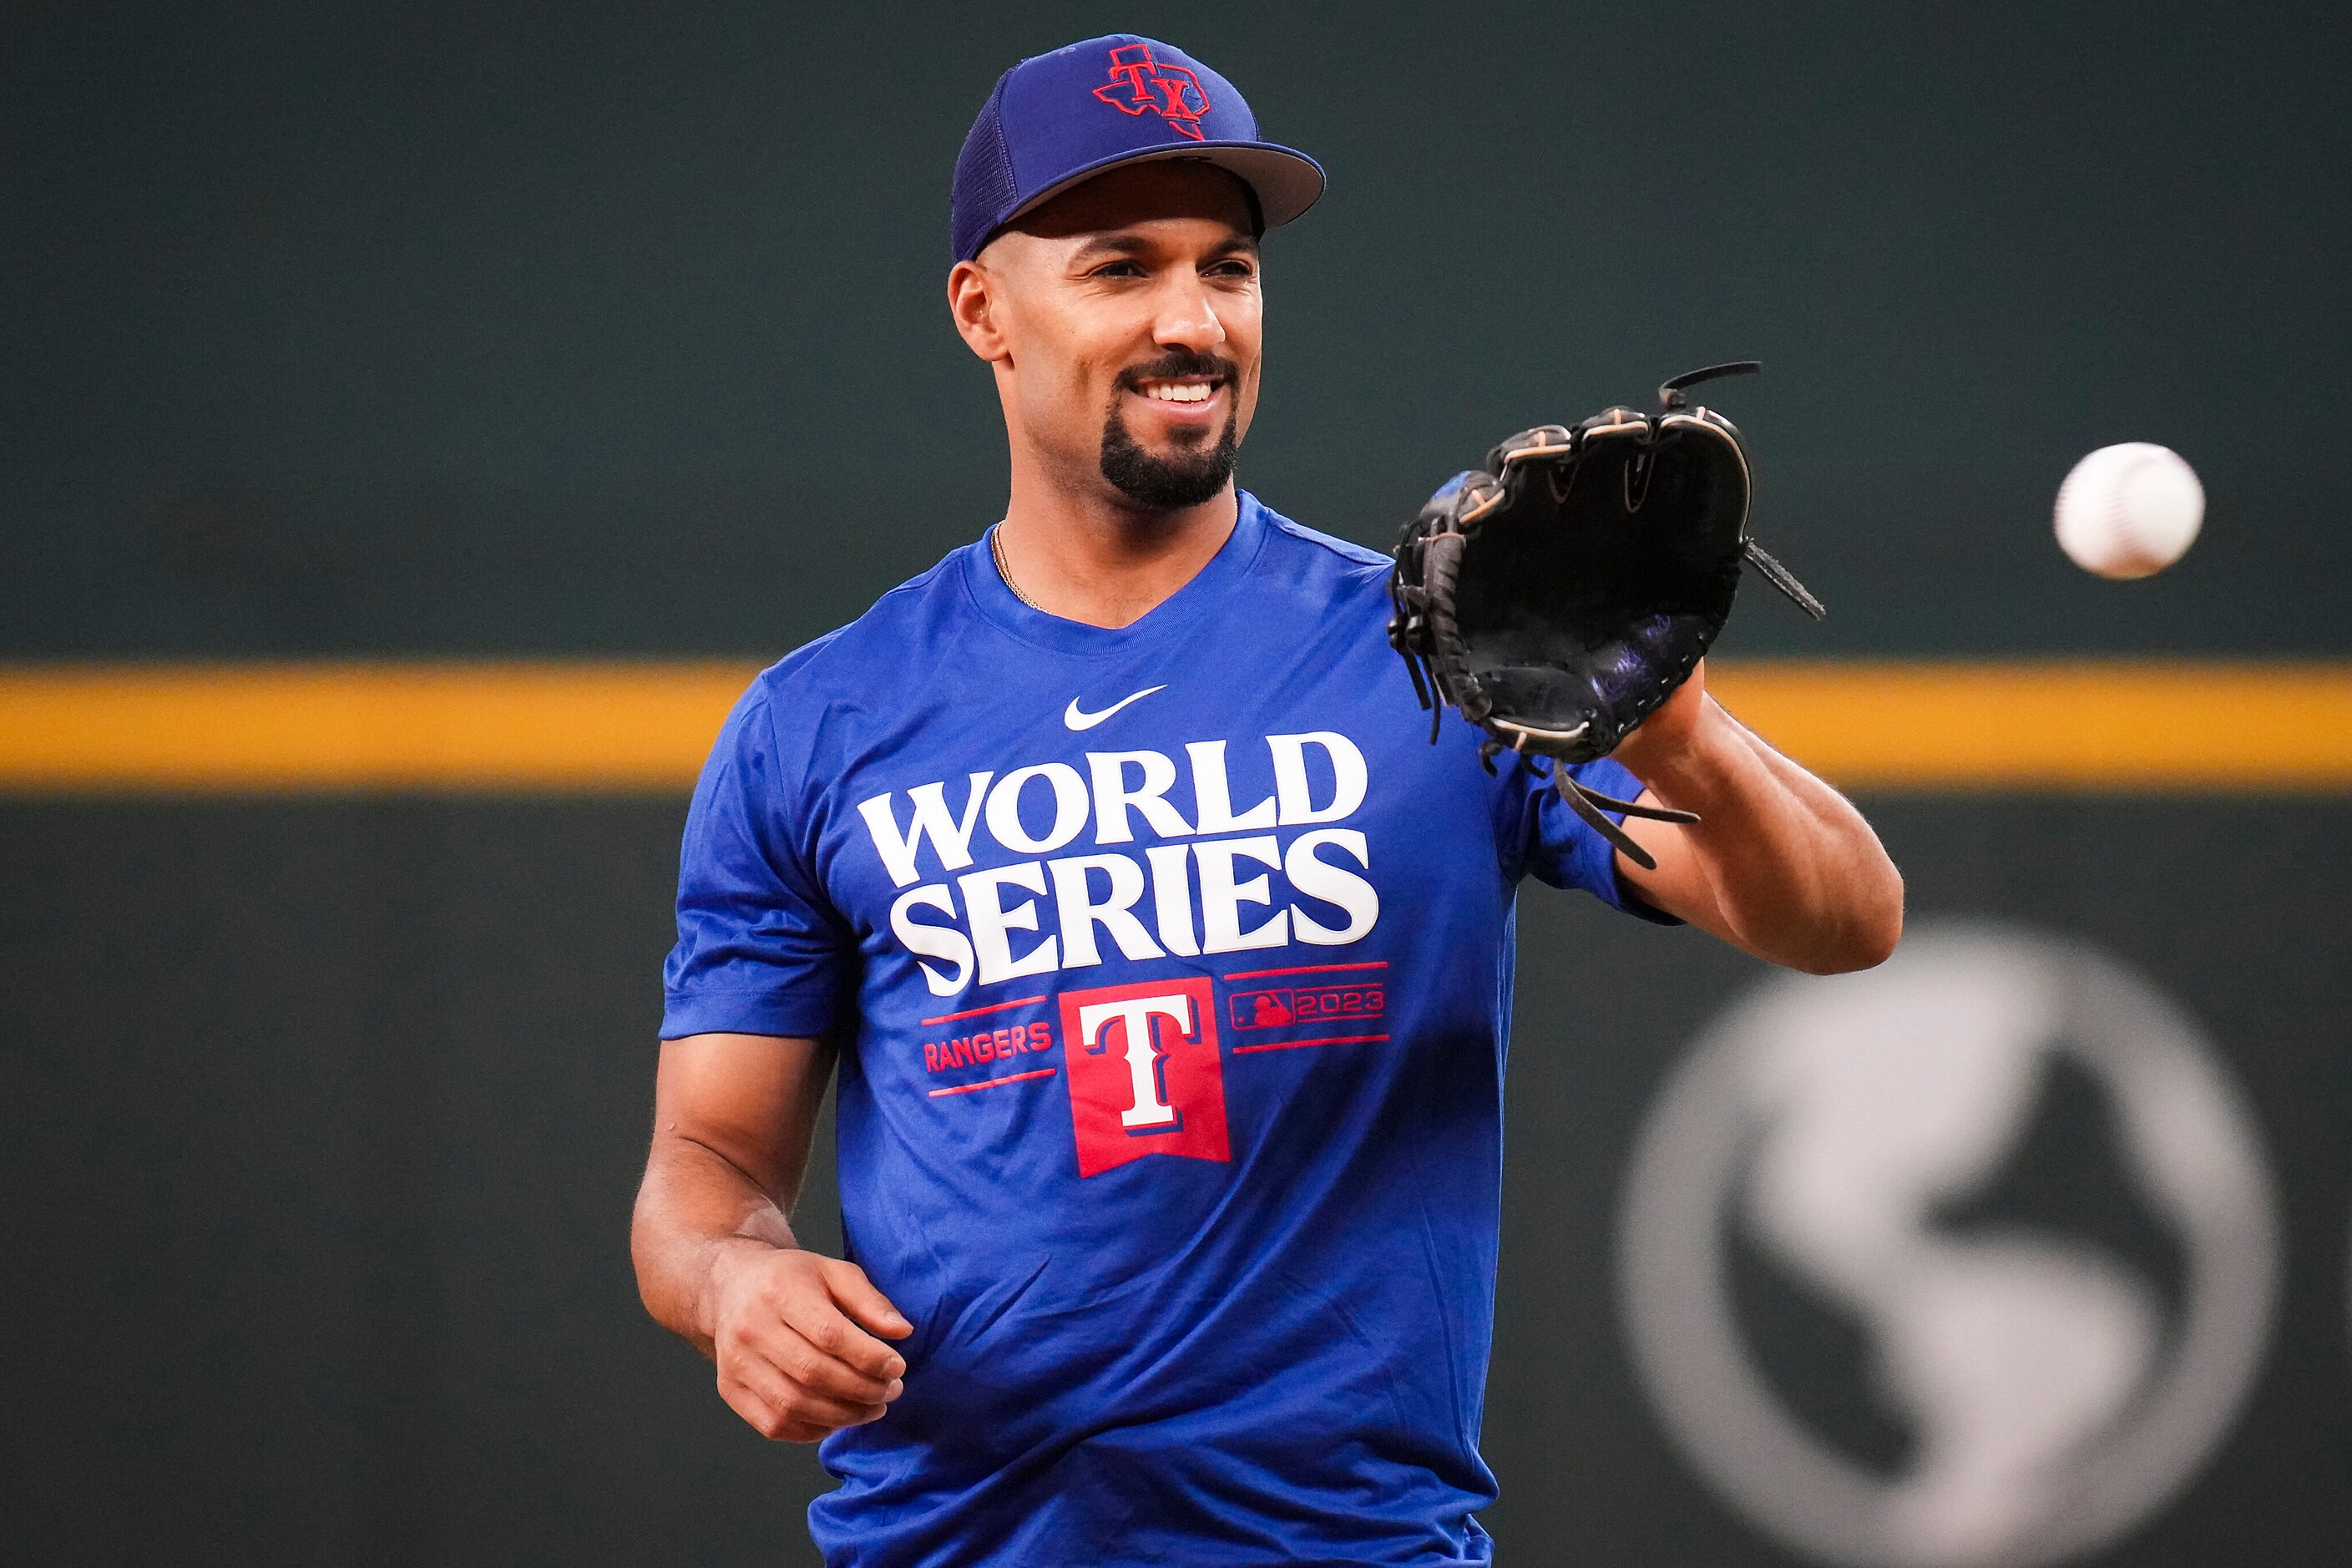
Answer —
(796, 1340)
(694, 1208)
(1793, 871)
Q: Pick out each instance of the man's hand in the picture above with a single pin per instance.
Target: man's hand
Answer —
(1561, 595)
(793, 1334)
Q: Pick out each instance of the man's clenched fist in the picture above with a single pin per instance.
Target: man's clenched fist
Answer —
(793, 1334)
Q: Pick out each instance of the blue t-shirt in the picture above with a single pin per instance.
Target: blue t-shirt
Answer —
(1171, 972)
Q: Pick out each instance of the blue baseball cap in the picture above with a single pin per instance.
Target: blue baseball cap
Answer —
(1055, 120)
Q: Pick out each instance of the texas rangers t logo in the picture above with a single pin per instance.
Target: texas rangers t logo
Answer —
(1145, 1076)
(1141, 84)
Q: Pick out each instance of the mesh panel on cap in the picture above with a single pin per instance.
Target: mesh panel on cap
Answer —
(984, 176)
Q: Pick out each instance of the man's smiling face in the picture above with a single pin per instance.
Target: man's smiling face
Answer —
(1130, 313)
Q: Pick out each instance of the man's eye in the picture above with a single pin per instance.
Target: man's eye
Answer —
(1118, 269)
(1232, 269)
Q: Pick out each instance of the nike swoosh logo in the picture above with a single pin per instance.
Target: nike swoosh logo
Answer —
(1077, 717)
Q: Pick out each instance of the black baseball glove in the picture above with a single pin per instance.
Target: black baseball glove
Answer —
(1559, 595)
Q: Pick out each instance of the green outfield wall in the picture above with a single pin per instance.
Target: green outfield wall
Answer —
(460, 328)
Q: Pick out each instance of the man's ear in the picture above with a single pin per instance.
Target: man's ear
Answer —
(974, 301)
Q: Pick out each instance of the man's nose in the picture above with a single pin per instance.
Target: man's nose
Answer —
(1187, 318)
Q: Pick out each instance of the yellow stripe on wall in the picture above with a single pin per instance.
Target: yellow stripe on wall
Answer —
(523, 729)
(619, 727)
(2055, 726)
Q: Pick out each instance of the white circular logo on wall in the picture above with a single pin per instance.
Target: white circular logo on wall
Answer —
(1965, 1260)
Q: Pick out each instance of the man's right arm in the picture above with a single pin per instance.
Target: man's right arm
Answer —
(797, 1338)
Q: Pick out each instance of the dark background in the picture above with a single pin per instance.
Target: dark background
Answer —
(591, 330)
(513, 328)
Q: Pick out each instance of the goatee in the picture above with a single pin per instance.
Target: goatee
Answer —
(1183, 478)
(1172, 482)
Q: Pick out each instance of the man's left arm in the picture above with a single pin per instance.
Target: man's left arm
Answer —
(1778, 865)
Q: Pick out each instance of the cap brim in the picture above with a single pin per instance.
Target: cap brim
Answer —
(1287, 182)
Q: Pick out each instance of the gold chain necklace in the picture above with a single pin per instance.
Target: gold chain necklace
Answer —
(997, 550)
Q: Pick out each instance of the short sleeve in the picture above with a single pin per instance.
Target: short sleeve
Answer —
(1541, 838)
(761, 949)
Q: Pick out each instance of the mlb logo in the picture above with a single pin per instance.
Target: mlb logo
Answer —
(1144, 1073)
(1347, 1002)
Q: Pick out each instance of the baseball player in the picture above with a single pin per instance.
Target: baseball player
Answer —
(1165, 961)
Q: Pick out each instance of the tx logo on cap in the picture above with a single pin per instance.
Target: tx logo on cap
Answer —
(1141, 84)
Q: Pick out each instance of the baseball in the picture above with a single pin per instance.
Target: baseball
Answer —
(2129, 511)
